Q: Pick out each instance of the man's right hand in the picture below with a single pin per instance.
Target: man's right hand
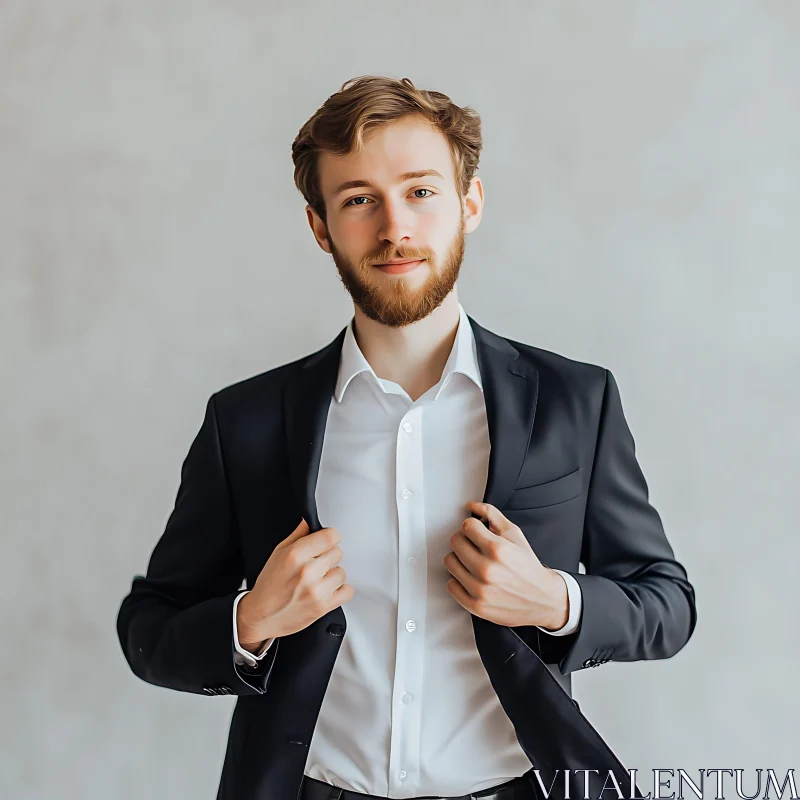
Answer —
(299, 584)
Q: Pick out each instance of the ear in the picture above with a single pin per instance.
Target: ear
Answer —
(318, 228)
(473, 205)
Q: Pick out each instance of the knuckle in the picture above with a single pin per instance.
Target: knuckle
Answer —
(493, 548)
(488, 573)
(317, 593)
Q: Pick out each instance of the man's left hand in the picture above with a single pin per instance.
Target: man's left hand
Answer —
(497, 576)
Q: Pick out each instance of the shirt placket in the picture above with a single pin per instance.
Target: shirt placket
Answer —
(404, 760)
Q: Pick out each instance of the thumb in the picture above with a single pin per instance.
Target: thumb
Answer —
(497, 522)
(301, 530)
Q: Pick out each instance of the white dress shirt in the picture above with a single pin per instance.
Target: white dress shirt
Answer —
(409, 709)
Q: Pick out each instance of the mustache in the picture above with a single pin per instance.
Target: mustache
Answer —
(406, 255)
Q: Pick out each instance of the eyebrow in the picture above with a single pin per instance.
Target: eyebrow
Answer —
(406, 176)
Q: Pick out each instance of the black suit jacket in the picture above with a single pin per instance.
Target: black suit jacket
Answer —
(562, 467)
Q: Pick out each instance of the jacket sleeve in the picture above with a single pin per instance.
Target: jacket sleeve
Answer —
(637, 602)
(175, 624)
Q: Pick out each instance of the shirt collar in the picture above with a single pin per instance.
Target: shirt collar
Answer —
(463, 358)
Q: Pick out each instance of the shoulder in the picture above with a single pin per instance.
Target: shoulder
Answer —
(558, 372)
(257, 388)
(568, 387)
(260, 392)
(554, 369)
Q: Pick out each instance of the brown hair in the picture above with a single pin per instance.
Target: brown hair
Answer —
(339, 125)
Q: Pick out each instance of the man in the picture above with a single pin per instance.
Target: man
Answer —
(461, 478)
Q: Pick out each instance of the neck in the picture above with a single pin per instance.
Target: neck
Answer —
(412, 356)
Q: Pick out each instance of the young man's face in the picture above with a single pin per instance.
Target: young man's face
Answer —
(394, 218)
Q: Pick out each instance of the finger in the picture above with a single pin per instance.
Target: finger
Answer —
(460, 594)
(462, 574)
(481, 537)
(492, 518)
(319, 542)
(301, 530)
(328, 560)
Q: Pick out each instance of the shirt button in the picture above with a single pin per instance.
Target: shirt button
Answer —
(412, 560)
(406, 494)
(411, 625)
(408, 427)
(402, 774)
(407, 698)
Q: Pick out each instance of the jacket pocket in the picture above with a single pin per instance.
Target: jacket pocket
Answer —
(547, 494)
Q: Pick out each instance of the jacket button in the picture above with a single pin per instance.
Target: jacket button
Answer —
(335, 629)
(590, 662)
(208, 690)
(224, 689)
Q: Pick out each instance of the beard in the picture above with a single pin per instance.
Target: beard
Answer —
(392, 301)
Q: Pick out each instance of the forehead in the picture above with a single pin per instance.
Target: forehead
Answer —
(405, 145)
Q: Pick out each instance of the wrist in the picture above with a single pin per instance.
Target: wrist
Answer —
(254, 648)
(252, 632)
(559, 602)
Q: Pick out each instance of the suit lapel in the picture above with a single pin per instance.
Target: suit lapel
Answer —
(306, 402)
(510, 389)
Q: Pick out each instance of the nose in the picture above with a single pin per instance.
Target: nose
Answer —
(396, 225)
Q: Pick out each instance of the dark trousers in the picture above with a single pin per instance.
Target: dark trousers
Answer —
(522, 788)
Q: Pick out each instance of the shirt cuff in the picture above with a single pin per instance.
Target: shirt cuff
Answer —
(242, 656)
(575, 605)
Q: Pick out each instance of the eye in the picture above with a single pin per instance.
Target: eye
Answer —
(364, 197)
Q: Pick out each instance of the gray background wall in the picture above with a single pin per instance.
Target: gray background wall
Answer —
(641, 179)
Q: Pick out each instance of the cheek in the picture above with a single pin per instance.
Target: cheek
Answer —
(435, 229)
(345, 232)
(445, 218)
(353, 238)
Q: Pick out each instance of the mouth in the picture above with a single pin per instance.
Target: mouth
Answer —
(399, 267)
